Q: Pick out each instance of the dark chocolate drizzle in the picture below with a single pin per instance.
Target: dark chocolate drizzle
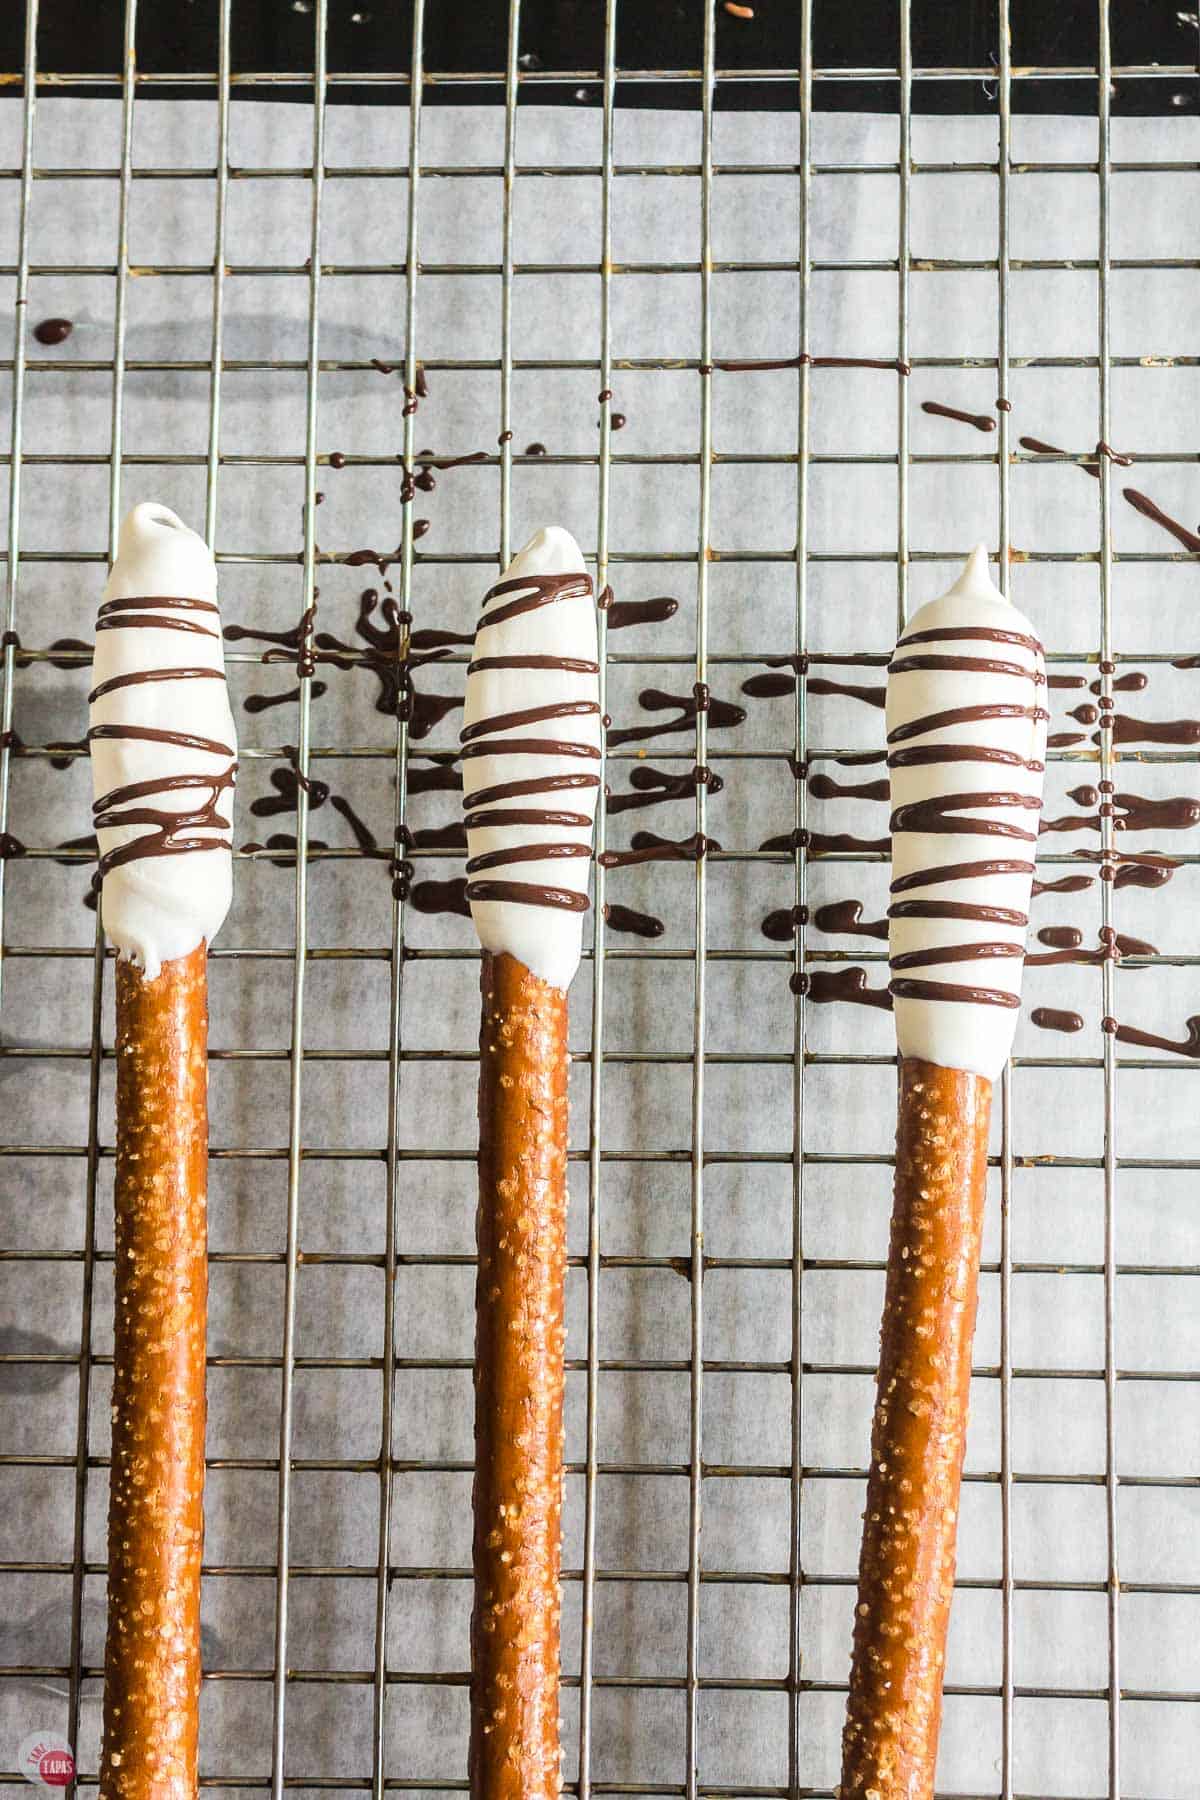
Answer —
(952, 815)
(720, 713)
(441, 897)
(1142, 503)
(651, 785)
(1051, 1018)
(823, 986)
(167, 833)
(486, 738)
(624, 613)
(647, 846)
(895, 363)
(1149, 1040)
(981, 421)
(844, 918)
(627, 918)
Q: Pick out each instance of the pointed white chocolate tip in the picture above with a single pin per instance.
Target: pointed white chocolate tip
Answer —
(975, 577)
(550, 551)
(158, 554)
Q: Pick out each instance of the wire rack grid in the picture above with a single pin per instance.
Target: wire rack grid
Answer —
(803, 1706)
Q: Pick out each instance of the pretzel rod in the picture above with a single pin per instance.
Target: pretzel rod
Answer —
(522, 1234)
(531, 751)
(966, 722)
(163, 763)
(156, 1518)
(906, 1571)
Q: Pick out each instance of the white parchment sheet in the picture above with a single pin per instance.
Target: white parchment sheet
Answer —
(1058, 1445)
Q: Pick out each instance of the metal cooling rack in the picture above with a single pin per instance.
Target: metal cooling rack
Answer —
(693, 1683)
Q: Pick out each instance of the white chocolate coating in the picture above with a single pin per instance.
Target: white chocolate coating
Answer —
(1001, 789)
(159, 906)
(546, 937)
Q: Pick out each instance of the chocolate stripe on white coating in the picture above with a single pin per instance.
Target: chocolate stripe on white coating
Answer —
(536, 664)
(162, 744)
(945, 712)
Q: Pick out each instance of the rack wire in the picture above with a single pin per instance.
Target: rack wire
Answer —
(692, 1682)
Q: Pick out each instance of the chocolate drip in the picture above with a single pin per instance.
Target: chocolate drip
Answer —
(10, 846)
(441, 897)
(824, 842)
(981, 421)
(823, 787)
(844, 917)
(439, 777)
(1049, 1018)
(824, 986)
(652, 785)
(721, 714)
(260, 703)
(432, 637)
(1091, 466)
(871, 696)
(769, 687)
(1063, 740)
(378, 559)
(1065, 681)
(646, 846)
(1143, 504)
(426, 711)
(894, 363)
(441, 837)
(626, 918)
(72, 649)
(287, 783)
(782, 925)
(1133, 683)
(1143, 875)
(283, 840)
(429, 459)
(53, 331)
(1128, 730)
(535, 450)
(1060, 937)
(1067, 884)
(1130, 1034)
